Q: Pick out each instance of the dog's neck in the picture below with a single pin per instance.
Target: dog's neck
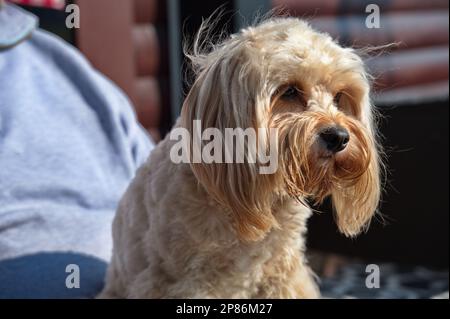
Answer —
(290, 214)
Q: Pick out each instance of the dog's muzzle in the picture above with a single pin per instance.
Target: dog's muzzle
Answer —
(335, 138)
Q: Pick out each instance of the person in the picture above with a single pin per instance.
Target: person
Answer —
(69, 146)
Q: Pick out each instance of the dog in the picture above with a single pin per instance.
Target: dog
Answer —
(224, 230)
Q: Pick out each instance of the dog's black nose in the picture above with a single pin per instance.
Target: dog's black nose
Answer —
(336, 138)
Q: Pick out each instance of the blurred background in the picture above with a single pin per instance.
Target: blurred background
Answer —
(138, 45)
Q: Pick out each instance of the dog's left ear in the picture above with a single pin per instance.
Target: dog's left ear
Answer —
(226, 95)
(356, 204)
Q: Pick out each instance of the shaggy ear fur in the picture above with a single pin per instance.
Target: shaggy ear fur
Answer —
(225, 95)
(356, 203)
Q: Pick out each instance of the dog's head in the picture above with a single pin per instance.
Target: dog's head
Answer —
(282, 74)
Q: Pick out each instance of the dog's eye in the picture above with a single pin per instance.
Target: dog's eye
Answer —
(337, 98)
(344, 103)
(291, 93)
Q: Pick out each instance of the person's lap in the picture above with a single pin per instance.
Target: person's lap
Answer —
(69, 146)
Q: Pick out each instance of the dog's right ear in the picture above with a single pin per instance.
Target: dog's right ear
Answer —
(225, 95)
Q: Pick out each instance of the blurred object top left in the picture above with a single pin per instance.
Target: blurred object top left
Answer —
(52, 4)
(16, 26)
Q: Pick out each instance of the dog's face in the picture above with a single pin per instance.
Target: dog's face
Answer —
(284, 75)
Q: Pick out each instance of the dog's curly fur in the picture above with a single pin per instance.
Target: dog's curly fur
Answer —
(223, 230)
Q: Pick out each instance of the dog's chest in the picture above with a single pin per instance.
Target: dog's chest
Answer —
(245, 268)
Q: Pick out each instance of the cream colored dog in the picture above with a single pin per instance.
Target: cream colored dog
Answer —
(223, 230)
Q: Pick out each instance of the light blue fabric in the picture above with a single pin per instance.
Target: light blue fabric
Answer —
(69, 146)
(15, 25)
